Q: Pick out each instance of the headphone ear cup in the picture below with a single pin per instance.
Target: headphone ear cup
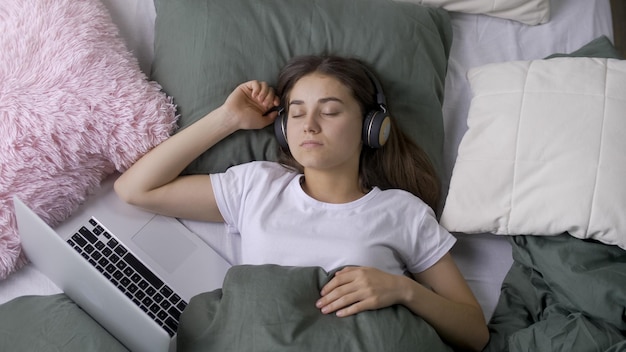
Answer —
(280, 129)
(376, 128)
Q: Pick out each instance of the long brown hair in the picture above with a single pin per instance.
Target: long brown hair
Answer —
(400, 163)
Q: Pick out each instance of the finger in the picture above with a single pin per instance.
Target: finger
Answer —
(348, 269)
(335, 282)
(269, 98)
(253, 87)
(266, 94)
(332, 291)
(249, 89)
(341, 303)
(271, 103)
(355, 308)
(259, 92)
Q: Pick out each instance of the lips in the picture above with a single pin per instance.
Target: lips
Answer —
(310, 143)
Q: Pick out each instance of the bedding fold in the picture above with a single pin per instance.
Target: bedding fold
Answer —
(561, 294)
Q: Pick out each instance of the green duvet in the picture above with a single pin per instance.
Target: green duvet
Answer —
(561, 294)
(272, 308)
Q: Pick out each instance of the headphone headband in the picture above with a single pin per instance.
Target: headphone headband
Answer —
(380, 96)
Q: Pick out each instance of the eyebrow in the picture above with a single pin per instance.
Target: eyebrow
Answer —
(321, 101)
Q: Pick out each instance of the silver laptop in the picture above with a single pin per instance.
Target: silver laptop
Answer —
(131, 270)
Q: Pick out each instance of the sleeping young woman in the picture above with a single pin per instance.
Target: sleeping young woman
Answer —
(339, 196)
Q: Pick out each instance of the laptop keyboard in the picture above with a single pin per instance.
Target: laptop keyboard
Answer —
(128, 274)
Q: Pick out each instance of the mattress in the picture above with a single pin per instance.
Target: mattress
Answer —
(484, 259)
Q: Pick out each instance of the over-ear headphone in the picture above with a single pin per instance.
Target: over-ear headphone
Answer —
(376, 124)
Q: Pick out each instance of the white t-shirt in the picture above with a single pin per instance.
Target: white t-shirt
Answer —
(279, 223)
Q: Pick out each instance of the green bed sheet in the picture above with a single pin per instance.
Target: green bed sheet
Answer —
(561, 294)
(51, 323)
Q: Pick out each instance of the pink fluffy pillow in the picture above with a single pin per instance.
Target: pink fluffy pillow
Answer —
(74, 107)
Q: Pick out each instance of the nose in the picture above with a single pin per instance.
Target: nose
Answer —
(310, 123)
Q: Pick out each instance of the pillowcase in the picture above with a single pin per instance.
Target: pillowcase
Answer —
(74, 107)
(205, 48)
(531, 12)
(272, 308)
(544, 151)
(51, 323)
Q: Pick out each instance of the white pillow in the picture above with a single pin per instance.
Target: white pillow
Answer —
(545, 151)
(531, 12)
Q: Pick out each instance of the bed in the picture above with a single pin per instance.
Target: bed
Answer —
(493, 254)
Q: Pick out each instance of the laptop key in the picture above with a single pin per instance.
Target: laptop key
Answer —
(135, 277)
(112, 243)
(120, 251)
(98, 230)
(88, 235)
(140, 295)
(162, 315)
(175, 298)
(79, 240)
(158, 298)
(154, 308)
(165, 304)
(96, 255)
(173, 324)
(147, 301)
(169, 331)
(174, 312)
(166, 291)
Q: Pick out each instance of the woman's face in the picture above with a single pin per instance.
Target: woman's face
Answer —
(324, 124)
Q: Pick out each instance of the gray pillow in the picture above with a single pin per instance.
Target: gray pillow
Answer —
(205, 48)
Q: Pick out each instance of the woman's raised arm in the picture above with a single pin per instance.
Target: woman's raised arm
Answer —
(153, 182)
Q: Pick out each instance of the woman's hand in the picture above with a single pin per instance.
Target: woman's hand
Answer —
(439, 295)
(249, 103)
(356, 289)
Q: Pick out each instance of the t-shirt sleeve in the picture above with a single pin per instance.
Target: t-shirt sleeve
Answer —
(244, 187)
(228, 188)
(430, 244)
